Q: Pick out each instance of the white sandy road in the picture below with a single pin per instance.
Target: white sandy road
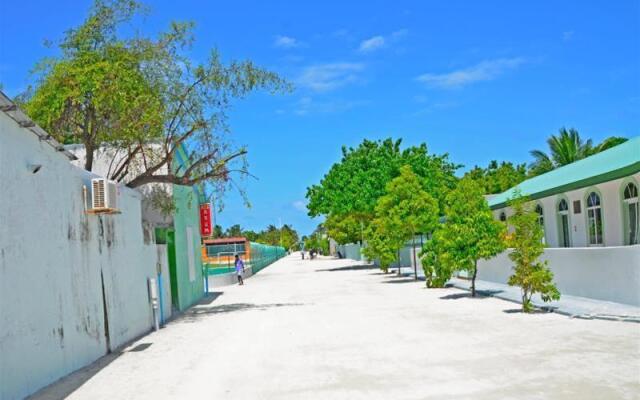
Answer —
(322, 329)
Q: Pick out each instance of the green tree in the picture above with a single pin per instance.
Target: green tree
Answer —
(285, 236)
(379, 246)
(290, 239)
(527, 246)
(234, 231)
(470, 232)
(406, 210)
(250, 235)
(345, 228)
(96, 91)
(497, 178)
(350, 190)
(566, 148)
(131, 91)
(218, 232)
(436, 262)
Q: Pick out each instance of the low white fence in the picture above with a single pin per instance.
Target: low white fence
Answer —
(603, 273)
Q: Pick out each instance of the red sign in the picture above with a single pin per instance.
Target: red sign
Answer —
(205, 220)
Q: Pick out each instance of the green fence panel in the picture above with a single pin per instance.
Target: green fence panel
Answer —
(263, 255)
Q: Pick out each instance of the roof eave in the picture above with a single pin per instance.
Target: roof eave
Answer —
(22, 119)
(590, 181)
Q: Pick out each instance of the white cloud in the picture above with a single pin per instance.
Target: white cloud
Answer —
(286, 42)
(330, 76)
(399, 33)
(372, 44)
(567, 36)
(381, 41)
(300, 205)
(484, 71)
(306, 105)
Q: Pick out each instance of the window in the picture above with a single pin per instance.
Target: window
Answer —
(631, 211)
(563, 221)
(503, 216)
(594, 219)
(540, 213)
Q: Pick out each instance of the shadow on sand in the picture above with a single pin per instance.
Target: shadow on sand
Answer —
(209, 298)
(401, 280)
(480, 294)
(534, 311)
(198, 312)
(63, 388)
(349, 268)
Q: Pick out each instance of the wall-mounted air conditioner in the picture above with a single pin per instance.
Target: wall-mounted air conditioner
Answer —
(103, 194)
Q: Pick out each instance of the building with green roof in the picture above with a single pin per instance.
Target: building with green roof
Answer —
(590, 213)
(591, 202)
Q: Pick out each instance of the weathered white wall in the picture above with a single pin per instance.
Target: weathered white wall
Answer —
(604, 273)
(52, 257)
(612, 216)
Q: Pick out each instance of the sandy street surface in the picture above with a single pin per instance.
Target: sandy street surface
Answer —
(333, 329)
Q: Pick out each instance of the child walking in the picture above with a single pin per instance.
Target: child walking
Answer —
(239, 270)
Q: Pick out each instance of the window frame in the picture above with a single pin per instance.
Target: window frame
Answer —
(624, 205)
(587, 208)
(559, 215)
(541, 219)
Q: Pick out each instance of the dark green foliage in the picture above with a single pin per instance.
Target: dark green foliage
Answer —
(497, 178)
(349, 192)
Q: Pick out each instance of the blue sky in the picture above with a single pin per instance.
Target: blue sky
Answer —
(478, 80)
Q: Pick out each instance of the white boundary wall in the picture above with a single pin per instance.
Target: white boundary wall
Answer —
(52, 257)
(603, 273)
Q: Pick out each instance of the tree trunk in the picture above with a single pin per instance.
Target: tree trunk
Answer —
(415, 262)
(399, 262)
(88, 163)
(473, 278)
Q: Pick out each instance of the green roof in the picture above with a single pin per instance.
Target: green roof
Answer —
(617, 162)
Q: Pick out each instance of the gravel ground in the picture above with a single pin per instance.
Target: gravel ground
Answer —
(334, 329)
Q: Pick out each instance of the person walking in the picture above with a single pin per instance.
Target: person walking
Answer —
(239, 270)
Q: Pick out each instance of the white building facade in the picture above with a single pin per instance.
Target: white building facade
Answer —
(590, 213)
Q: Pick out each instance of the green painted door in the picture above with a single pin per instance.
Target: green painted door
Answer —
(173, 272)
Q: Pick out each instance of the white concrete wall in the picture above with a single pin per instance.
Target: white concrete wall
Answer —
(52, 257)
(230, 278)
(604, 273)
(611, 203)
(351, 251)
